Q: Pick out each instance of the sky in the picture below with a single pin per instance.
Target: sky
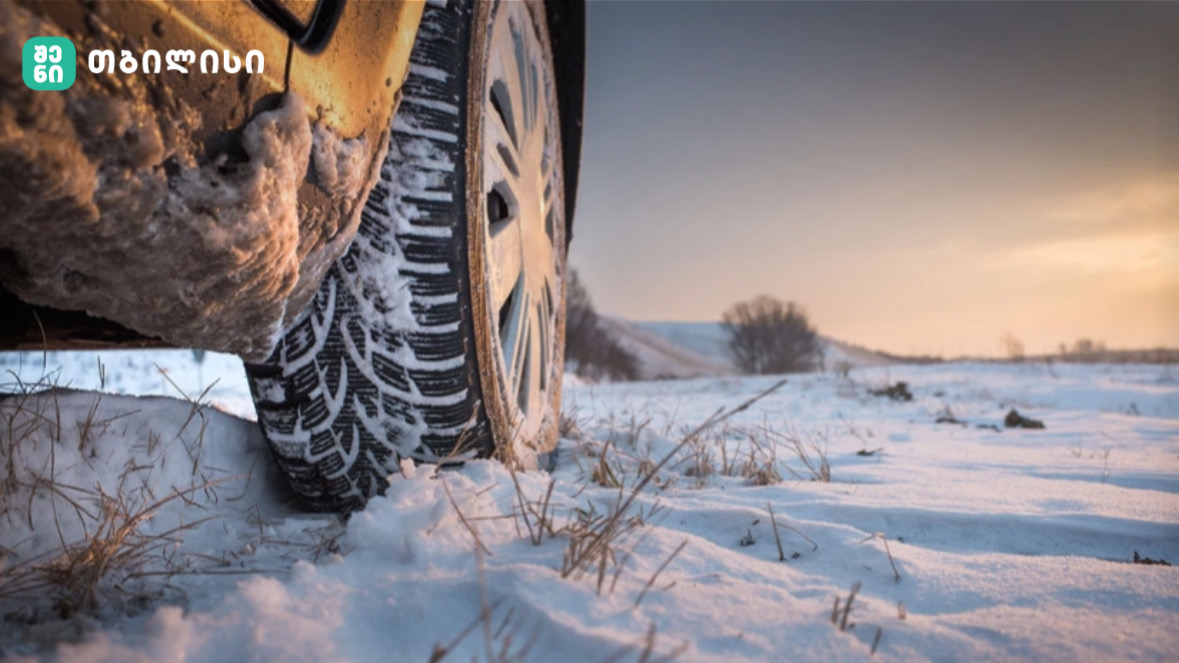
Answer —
(922, 177)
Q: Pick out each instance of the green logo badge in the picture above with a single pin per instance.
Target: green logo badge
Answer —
(49, 63)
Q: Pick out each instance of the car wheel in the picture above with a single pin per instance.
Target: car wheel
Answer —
(439, 335)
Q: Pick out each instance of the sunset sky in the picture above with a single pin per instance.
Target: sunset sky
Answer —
(922, 177)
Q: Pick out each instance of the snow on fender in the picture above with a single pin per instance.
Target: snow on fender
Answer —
(121, 215)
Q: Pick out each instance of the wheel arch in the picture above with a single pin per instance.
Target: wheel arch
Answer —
(566, 26)
(26, 326)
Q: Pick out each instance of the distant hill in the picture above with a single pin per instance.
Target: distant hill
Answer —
(705, 338)
(854, 355)
(686, 355)
(700, 349)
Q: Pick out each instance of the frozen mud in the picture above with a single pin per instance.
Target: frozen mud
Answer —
(107, 206)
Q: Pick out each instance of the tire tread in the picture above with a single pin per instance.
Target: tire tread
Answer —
(344, 398)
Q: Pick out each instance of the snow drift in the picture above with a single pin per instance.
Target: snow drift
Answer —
(966, 541)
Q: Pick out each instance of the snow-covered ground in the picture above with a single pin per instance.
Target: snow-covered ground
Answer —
(700, 349)
(1008, 544)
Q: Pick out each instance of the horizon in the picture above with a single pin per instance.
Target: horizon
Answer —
(948, 357)
(922, 178)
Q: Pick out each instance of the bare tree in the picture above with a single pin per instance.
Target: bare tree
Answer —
(1085, 350)
(581, 321)
(767, 335)
(590, 350)
(1012, 346)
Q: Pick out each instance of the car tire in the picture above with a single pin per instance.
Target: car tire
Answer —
(439, 335)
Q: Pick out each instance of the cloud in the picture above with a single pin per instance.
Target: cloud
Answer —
(1148, 257)
(1150, 201)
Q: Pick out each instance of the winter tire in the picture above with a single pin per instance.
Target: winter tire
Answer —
(439, 335)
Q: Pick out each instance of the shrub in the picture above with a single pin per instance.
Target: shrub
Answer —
(1085, 350)
(1012, 346)
(590, 350)
(767, 335)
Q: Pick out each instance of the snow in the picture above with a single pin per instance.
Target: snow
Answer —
(700, 349)
(665, 355)
(1009, 544)
(101, 214)
(341, 166)
(214, 378)
(706, 338)
(121, 213)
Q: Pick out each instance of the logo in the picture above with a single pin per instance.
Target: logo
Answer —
(49, 63)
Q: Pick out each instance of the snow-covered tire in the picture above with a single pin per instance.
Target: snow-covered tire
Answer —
(439, 335)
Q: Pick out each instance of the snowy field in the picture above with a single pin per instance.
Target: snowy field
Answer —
(150, 529)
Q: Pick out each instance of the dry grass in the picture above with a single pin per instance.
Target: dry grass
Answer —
(480, 546)
(701, 460)
(651, 581)
(880, 535)
(595, 541)
(753, 453)
(501, 639)
(646, 650)
(594, 538)
(623, 449)
(569, 426)
(620, 459)
(624, 457)
(114, 551)
(609, 471)
(729, 451)
(810, 454)
(841, 612)
(538, 515)
(600, 542)
(104, 553)
(760, 466)
(778, 537)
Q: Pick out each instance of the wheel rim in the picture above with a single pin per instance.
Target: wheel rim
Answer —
(522, 223)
